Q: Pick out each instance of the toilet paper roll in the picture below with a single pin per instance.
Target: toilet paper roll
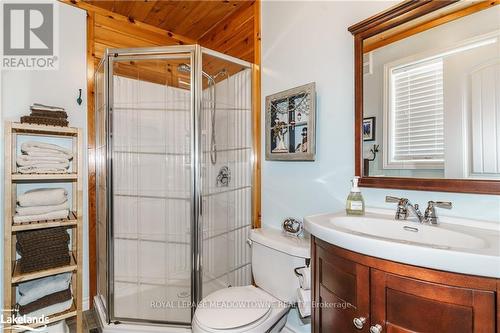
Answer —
(304, 302)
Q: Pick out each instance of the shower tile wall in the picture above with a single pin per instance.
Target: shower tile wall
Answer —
(151, 170)
(152, 176)
(227, 210)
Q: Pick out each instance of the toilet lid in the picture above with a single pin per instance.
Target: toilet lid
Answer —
(231, 308)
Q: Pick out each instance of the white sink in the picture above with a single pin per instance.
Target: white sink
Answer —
(456, 245)
(408, 232)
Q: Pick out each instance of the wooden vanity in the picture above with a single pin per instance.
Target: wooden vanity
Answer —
(400, 298)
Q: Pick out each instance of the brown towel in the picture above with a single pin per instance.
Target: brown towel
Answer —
(48, 114)
(35, 240)
(58, 297)
(44, 245)
(44, 121)
(28, 266)
(43, 249)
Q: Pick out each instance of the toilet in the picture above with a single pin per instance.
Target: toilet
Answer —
(264, 307)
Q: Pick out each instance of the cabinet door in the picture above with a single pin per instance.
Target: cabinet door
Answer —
(341, 293)
(402, 305)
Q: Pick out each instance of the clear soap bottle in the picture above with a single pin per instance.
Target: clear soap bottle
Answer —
(355, 204)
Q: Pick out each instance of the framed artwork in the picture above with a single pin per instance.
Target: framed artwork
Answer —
(291, 124)
(369, 129)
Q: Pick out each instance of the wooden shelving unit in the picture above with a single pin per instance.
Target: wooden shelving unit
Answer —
(74, 222)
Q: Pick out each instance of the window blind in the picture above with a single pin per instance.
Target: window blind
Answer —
(417, 113)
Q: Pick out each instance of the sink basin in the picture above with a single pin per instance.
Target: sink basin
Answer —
(455, 245)
(408, 232)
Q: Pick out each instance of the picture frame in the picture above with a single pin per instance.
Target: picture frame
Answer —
(369, 129)
(291, 124)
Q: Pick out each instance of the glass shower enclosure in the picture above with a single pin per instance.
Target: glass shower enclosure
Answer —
(174, 165)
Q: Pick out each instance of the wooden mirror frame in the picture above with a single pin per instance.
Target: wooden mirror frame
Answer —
(393, 17)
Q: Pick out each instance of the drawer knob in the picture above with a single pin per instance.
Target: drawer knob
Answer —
(359, 322)
(376, 329)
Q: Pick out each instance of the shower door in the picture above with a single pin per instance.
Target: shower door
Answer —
(149, 183)
(173, 179)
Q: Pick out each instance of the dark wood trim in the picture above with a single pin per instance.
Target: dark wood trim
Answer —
(429, 184)
(388, 19)
(393, 36)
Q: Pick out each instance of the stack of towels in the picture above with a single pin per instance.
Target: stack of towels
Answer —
(42, 249)
(42, 204)
(45, 296)
(304, 292)
(46, 115)
(41, 157)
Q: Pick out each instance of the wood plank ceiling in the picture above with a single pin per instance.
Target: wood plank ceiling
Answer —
(192, 19)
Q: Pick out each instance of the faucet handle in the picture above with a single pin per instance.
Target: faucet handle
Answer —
(441, 204)
(430, 212)
(392, 199)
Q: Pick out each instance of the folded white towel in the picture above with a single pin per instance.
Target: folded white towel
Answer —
(47, 153)
(304, 277)
(52, 309)
(32, 290)
(42, 197)
(24, 160)
(38, 106)
(37, 210)
(42, 169)
(304, 302)
(43, 146)
(58, 214)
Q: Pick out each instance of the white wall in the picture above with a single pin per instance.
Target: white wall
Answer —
(308, 41)
(21, 88)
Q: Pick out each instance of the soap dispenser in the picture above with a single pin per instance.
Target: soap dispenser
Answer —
(355, 204)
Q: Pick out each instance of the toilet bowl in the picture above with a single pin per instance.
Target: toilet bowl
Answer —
(264, 307)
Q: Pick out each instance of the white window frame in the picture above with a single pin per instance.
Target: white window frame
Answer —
(476, 41)
(388, 163)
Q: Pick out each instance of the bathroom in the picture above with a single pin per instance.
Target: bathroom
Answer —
(240, 56)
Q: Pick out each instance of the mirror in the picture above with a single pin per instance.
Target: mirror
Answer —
(431, 96)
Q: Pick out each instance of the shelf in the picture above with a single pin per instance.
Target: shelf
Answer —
(44, 129)
(44, 176)
(69, 221)
(71, 312)
(17, 276)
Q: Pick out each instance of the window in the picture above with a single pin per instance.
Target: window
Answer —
(415, 116)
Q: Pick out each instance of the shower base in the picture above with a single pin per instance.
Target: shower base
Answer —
(131, 328)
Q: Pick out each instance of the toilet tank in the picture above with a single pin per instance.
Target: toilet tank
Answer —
(274, 257)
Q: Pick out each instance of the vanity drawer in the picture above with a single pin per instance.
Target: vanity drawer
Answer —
(403, 304)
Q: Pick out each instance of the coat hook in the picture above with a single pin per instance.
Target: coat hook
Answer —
(79, 100)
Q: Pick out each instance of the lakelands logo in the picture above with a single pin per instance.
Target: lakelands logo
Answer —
(15, 323)
(29, 35)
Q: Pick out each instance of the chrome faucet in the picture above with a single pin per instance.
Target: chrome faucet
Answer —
(405, 207)
(430, 212)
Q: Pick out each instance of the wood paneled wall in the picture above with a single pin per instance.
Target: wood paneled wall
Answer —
(237, 35)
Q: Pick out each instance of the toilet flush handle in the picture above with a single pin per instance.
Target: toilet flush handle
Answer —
(249, 242)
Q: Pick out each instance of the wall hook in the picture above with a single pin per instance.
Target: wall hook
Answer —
(79, 100)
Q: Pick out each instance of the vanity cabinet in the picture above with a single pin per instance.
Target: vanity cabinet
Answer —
(343, 287)
(398, 297)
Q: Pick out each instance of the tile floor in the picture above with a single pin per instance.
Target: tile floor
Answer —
(90, 323)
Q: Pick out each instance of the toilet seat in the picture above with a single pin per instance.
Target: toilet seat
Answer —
(237, 309)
